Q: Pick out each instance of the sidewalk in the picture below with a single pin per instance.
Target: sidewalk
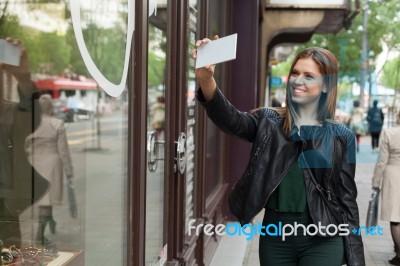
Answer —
(378, 249)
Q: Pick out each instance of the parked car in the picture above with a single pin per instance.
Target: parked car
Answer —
(77, 110)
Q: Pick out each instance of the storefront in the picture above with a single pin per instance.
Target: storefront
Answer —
(143, 158)
(140, 158)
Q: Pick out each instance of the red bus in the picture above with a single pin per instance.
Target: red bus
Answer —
(73, 99)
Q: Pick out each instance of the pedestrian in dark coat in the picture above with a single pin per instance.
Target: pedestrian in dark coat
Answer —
(375, 122)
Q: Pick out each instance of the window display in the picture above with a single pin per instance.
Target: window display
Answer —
(63, 140)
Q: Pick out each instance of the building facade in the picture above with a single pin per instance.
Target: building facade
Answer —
(146, 160)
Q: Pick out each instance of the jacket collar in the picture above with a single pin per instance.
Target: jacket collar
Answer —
(308, 132)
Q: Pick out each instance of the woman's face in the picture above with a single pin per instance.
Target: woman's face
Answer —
(306, 82)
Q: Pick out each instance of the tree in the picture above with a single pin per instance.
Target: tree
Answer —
(282, 68)
(157, 59)
(9, 24)
(390, 74)
(106, 46)
(383, 27)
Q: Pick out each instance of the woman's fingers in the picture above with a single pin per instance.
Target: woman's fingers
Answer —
(210, 68)
(202, 42)
(199, 43)
(15, 42)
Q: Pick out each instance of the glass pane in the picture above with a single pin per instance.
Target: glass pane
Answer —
(191, 103)
(156, 206)
(213, 171)
(61, 133)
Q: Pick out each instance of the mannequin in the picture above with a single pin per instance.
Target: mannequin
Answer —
(48, 152)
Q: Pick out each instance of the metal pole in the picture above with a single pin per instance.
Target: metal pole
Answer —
(364, 55)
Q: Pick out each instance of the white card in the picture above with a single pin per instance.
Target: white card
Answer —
(9, 54)
(221, 50)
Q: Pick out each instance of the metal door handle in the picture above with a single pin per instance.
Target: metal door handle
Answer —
(181, 153)
(152, 151)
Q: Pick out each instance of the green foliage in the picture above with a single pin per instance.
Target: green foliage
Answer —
(76, 60)
(51, 53)
(156, 57)
(107, 49)
(48, 52)
(391, 76)
(156, 68)
(281, 69)
(383, 26)
(9, 26)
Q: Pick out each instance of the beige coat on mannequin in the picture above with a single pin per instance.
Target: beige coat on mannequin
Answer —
(48, 152)
(387, 171)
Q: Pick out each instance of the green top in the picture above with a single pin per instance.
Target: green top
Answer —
(290, 195)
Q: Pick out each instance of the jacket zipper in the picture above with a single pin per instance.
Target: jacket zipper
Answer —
(246, 174)
(321, 189)
(328, 191)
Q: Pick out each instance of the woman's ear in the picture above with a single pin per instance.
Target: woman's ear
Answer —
(324, 89)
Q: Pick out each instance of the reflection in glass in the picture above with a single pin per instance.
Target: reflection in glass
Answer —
(94, 132)
(48, 152)
(155, 206)
(191, 103)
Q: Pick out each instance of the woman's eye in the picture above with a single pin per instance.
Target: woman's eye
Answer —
(309, 77)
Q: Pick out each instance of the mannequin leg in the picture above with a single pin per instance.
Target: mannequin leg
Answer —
(45, 217)
(395, 230)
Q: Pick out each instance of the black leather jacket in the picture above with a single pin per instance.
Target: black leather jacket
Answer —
(326, 154)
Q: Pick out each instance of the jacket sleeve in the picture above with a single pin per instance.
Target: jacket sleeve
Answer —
(227, 118)
(347, 194)
(382, 160)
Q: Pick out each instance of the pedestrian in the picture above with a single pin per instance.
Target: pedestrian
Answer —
(275, 102)
(386, 172)
(48, 152)
(157, 112)
(356, 122)
(375, 119)
(301, 168)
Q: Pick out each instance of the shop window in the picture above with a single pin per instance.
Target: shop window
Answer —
(74, 171)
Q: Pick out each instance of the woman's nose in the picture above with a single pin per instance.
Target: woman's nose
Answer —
(299, 81)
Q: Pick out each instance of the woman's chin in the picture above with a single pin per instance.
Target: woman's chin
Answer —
(304, 99)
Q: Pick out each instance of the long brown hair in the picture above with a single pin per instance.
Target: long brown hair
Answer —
(329, 69)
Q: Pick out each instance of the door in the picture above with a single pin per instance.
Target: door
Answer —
(157, 130)
(170, 187)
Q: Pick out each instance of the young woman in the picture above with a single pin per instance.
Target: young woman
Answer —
(301, 167)
(387, 172)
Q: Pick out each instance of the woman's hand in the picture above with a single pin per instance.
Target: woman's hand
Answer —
(205, 75)
(21, 72)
